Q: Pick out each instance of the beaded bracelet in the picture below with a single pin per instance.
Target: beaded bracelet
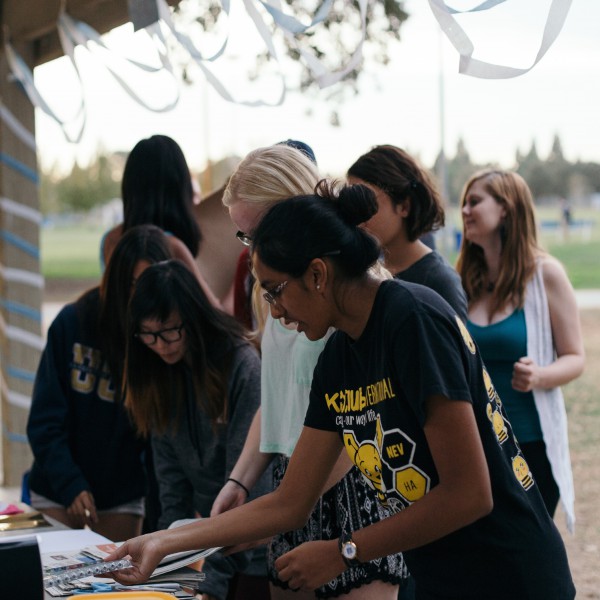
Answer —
(240, 484)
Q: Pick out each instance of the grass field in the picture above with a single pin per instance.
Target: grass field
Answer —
(72, 252)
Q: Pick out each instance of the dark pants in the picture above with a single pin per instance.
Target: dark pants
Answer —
(537, 459)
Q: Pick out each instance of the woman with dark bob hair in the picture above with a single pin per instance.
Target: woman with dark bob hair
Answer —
(193, 385)
(409, 208)
(401, 387)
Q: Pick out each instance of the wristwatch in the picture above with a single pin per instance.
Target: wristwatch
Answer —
(348, 550)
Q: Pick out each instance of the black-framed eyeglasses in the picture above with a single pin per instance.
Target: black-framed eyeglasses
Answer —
(271, 295)
(169, 335)
(244, 238)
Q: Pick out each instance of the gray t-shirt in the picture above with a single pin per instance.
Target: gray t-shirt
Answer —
(433, 271)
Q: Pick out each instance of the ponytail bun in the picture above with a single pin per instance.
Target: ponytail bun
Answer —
(355, 204)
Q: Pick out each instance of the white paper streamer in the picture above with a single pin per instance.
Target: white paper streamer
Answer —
(290, 23)
(468, 65)
(17, 127)
(200, 61)
(18, 334)
(164, 13)
(24, 76)
(19, 400)
(73, 32)
(21, 276)
(20, 210)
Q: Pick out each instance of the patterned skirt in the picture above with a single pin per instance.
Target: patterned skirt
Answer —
(349, 505)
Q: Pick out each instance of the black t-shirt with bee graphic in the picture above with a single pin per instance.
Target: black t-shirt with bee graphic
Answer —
(373, 391)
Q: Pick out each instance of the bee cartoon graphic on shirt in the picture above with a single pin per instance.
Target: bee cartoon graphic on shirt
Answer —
(367, 458)
(467, 339)
(522, 472)
(493, 409)
(393, 451)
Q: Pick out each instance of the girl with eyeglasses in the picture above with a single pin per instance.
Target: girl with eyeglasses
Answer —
(266, 177)
(402, 389)
(193, 386)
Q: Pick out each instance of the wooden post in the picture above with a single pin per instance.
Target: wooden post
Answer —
(21, 284)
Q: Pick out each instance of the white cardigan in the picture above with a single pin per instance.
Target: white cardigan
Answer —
(550, 402)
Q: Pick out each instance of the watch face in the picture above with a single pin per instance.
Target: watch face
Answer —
(349, 550)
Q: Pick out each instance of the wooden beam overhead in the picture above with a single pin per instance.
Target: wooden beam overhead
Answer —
(34, 21)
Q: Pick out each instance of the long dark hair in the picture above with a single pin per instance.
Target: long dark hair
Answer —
(142, 243)
(156, 391)
(157, 189)
(398, 174)
(302, 228)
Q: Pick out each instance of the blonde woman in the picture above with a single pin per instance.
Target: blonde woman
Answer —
(265, 177)
(524, 318)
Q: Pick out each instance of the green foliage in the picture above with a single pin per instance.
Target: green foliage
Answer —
(549, 178)
(84, 188)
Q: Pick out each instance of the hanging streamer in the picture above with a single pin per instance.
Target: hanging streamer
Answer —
(20, 210)
(291, 24)
(24, 76)
(18, 334)
(322, 74)
(557, 15)
(19, 400)
(20, 131)
(9, 274)
(199, 60)
(73, 33)
(164, 14)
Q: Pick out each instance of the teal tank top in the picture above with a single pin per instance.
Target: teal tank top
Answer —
(501, 345)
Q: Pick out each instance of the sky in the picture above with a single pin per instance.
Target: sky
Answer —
(400, 103)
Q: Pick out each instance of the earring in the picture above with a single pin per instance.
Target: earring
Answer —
(318, 286)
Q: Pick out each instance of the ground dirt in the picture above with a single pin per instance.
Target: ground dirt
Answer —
(583, 406)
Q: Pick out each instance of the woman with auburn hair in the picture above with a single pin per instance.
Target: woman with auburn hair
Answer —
(409, 207)
(264, 178)
(193, 386)
(524, 317)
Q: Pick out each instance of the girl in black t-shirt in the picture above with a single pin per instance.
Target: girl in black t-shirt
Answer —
(402, 388)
